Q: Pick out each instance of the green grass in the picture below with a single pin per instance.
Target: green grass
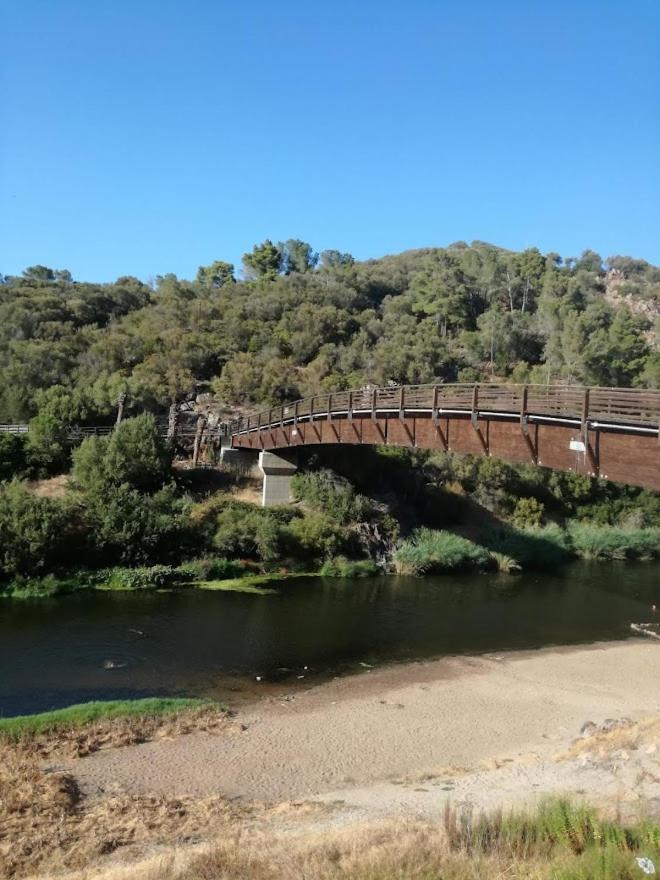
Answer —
(532, 548)
(609, 542)
(83, 713)
(252, 583)
(428, 551)
(571, 837)
(348, 568)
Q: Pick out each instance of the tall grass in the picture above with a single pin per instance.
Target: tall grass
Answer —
(428, 551)
(341, 567)
(610, 542)
(560, 841)
(535, 547)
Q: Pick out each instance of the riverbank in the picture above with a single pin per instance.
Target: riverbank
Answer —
(432, 720)
(390, 745)
(504, 550)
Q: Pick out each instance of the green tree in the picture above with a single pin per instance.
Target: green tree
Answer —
(264, 261)
(133, 527)
(218, 274)
(135, 454)
(297, 256)
(34, 531)
(13, 456)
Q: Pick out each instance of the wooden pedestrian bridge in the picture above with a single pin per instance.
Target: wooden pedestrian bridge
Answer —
(612, 433)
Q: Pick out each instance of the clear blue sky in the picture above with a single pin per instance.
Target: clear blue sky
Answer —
(151, 136)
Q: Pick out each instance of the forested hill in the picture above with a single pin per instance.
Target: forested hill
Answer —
(301, 323)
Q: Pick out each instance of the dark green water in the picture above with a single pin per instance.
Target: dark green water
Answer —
(54, 652)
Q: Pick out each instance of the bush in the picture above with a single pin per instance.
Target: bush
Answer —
(134, 454)
(212, 569)
(146, 578)
(609, 542)
(528, 512)
(315, 536)
(132, 527)
(349, 568)
(324, 490)
(244, 530)
(428, 551)
(13, 456)
(34, 532)
(47, 447)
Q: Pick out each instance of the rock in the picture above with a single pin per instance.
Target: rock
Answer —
(588, 729)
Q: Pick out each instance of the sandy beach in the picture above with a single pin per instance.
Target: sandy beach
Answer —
(401, 739)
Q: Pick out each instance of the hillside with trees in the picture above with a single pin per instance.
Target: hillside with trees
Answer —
(302, 323)
(299, 323)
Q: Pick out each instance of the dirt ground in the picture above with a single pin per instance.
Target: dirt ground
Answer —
(389, 745)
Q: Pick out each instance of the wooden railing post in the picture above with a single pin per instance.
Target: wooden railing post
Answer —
(350, 406)
(402, 401)
(475, 405)
(585, 415)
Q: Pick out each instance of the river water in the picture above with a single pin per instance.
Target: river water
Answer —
(54, 652)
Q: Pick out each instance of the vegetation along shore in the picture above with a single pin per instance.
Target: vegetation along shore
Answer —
(113, 513)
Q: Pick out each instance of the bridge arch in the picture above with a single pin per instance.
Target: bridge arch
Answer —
(611, 433)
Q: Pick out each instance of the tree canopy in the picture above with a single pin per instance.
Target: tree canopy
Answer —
(299, 323)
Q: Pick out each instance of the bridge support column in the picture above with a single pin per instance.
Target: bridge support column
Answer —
(277, 473)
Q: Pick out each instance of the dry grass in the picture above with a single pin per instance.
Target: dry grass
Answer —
(560, 841)
(616, 737)
(404, 850)
(77, 742)
(53, 487)
(45, 824)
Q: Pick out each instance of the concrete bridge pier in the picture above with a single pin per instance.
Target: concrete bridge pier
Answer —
(277, 473)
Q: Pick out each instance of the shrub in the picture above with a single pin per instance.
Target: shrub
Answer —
(609, 542)
(315, 536)
(326, 491)
(528, 512)
(349, 568)
(146, 578)
(46, 445)
(429, 551)
(13, 456)
(134, 454)
(214, 568)
(244, 530)
(34, 532)
(133, 527)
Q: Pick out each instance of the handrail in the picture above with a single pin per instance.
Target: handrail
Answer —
(634, 408)
(598, 406)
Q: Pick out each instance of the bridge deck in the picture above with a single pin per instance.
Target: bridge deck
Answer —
(607, 432)
(629, 408)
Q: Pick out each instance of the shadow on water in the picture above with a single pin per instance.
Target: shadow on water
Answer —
(112, 645)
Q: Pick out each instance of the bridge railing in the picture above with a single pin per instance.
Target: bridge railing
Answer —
(615, 406)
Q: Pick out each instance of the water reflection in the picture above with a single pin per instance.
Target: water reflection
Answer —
(105, 645)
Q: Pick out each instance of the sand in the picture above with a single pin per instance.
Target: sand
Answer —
(482, 730)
